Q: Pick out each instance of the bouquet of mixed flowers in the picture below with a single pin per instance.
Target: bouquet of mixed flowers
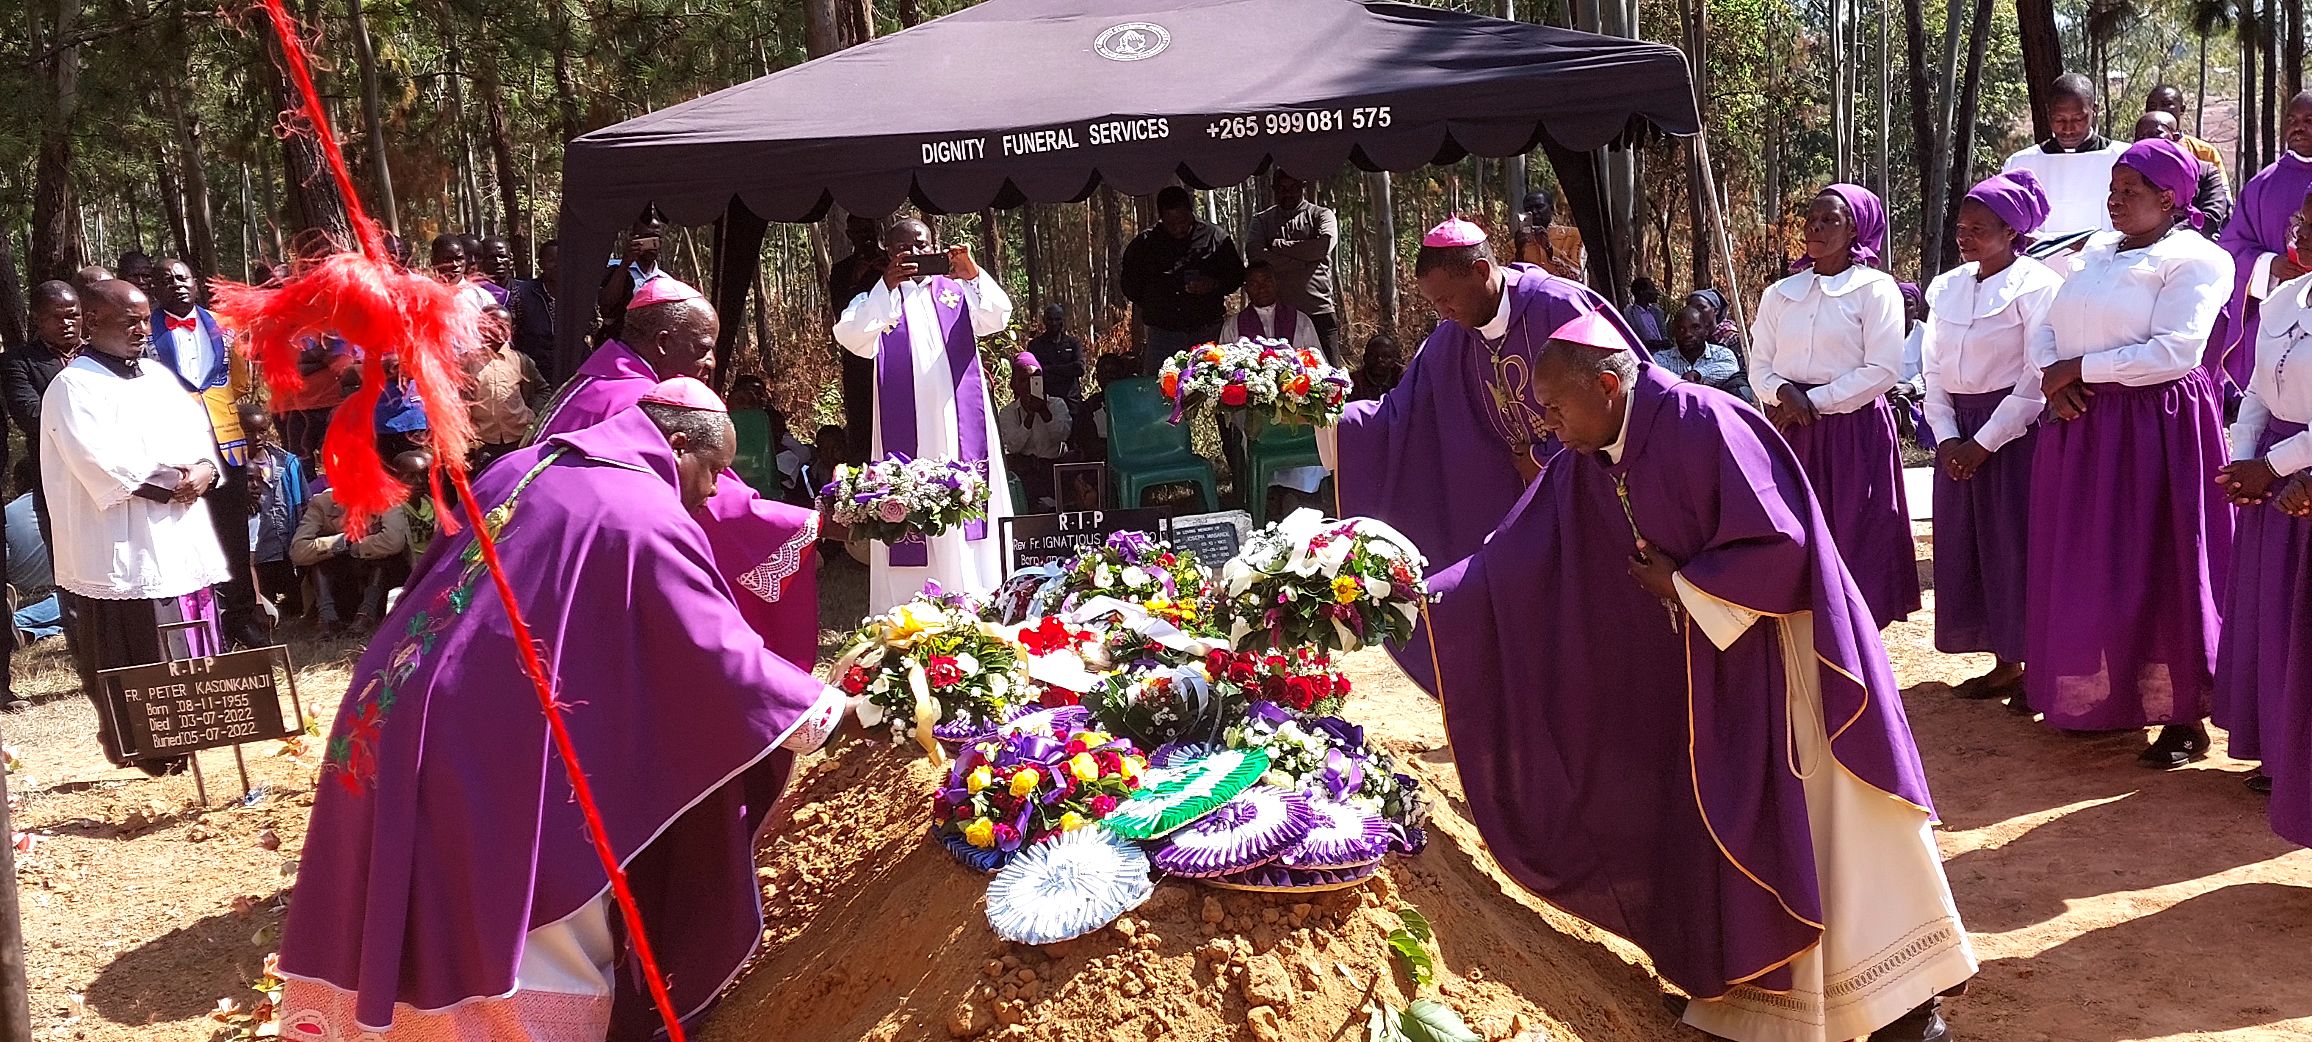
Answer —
(1329, 756)
(1302, 680)
(1260, 378)
(1168, 582)
(1313, 581)
(929, 661)
(896, 497)
(1024, 785)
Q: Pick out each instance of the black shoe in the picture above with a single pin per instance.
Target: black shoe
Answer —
(1976, 689)
(2177, 745)
(2260, 783)
(1924, 1024)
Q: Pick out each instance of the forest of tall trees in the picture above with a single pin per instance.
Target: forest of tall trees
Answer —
(153, 125)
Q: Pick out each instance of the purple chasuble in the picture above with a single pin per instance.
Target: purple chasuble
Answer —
(1436, 456)
(1616, 762)
(444, 830)
(895, 397)
(1248, 324)
(761, 546)
(2259, 225)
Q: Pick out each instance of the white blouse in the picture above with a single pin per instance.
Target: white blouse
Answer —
(101, 436)
(1842, 335)
(1977, 331)
(2282, 385)
(2136, 317)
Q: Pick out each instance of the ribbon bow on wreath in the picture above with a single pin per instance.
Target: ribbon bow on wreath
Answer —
(364, 297)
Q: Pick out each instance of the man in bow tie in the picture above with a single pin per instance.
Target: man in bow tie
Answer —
(188, 343)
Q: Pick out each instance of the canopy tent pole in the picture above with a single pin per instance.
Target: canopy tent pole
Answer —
(738, 255)
(1734, 296)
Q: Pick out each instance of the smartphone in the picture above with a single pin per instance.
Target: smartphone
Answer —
(931, 263)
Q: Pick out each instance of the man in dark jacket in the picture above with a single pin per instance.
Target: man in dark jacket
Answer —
(26, 372)
(532, 305)
(1178, 275)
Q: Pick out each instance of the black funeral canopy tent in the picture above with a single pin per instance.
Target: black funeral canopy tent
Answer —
(1016, 101)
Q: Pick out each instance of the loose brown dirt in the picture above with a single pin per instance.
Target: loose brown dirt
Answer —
(2109, 903)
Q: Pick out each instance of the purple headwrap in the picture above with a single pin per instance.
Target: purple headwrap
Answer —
(1910, 292)
(1870, 225)
(2017, 198)
(2169, 168)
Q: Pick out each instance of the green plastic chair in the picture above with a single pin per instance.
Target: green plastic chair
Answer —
(1144, 450)
(757, 462)
(1019, 494)
(1278, 447)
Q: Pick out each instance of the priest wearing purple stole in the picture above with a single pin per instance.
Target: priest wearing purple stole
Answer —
(2263, 257)
(1265, 315)
(1446, 452)
(1673, 717)
(931, 401)
(762, 547)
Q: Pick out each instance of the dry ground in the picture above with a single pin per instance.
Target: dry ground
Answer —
(2109, 903)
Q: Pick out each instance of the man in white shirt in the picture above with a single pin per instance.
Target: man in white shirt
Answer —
(1035, 430)
(126, 457)
(920, 323)
(2074, 165)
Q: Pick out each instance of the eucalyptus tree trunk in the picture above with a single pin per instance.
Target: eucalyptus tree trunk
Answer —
(58, 248)
(200, 219)
(173, 241)
(1927, 147)
(372, 116)
(1385, 229)
(2042, 58)
(501, 146)
(1963, 124)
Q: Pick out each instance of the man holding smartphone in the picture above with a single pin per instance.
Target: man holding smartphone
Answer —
(921, 323)
(1178, 276)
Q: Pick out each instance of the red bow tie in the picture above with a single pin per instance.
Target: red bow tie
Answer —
(189, 323)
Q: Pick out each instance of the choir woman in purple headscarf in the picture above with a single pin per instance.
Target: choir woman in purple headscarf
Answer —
(2128, 535)
(1983, 405)
(2263, 694)
(1826, 347)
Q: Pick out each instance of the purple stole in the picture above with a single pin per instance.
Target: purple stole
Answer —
(1248, 323)
(895, 399)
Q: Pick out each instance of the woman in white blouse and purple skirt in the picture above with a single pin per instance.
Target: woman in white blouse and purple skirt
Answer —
(2264, 674)
(1983, 405)
(2129, 537)
(1826, 346)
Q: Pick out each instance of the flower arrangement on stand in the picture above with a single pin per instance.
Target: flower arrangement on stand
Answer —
(1020, 787)
(896, 498)
(1311, 581)
(1259, 379)
(930, 661)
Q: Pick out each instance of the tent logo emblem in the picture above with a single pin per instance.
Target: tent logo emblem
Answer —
(1132, 41)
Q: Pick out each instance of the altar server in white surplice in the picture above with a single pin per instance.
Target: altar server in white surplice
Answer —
(931, 401)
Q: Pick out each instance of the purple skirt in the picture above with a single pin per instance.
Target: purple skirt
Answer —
(2129, 539)
(1857, 474)
(2267, 642)
(1982, 540)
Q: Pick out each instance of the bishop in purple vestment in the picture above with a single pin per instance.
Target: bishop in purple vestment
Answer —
(2258, 240)
(1445, 453)
(449, 889)
(1672, 714)
(762, 547)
